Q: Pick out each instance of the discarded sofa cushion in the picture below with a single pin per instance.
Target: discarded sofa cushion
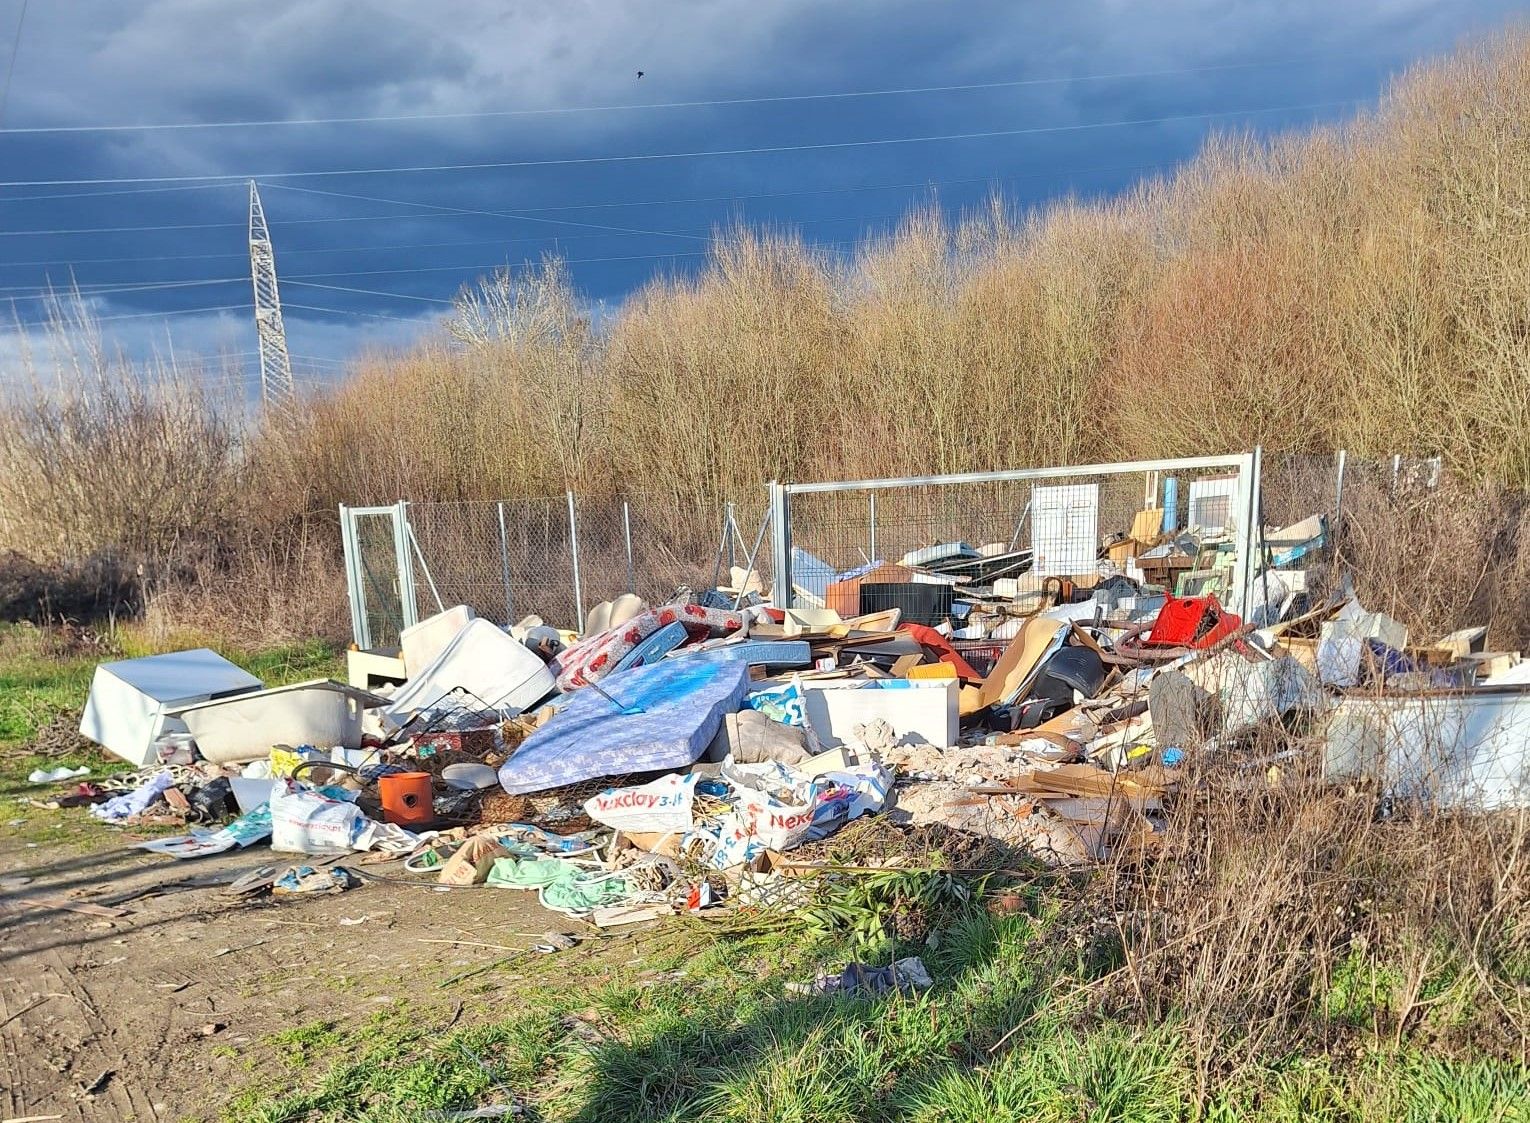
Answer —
(596, 656)
(651, 719)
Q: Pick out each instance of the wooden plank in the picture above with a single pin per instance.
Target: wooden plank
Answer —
(68, 905)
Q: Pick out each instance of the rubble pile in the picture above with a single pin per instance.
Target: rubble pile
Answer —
(674, 756)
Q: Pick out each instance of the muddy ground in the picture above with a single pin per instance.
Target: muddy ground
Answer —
(163, 1012)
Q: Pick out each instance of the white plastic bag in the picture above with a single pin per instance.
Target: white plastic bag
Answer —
(663, 805)
(777, 824)
(775, 805)
(305, 822)
(870, 782)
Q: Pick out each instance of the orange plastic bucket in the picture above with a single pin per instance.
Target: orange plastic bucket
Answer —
(406, 798)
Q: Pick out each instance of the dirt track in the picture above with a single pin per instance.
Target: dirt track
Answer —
(157, 1014)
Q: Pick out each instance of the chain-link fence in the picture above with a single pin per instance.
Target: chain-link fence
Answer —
(1416, 542)
(549, 556)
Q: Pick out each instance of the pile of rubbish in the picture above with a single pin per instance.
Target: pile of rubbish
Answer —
(673, 756)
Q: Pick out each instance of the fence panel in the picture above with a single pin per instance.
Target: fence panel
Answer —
(551, 556)
(1058, 515)
(375, 541)
(504, 559)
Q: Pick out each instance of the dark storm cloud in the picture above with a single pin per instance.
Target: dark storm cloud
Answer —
(104, 62)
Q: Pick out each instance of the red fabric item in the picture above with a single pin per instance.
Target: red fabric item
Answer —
(937, 643)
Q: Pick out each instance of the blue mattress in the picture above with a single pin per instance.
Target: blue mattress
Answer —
(764, 652)
(668, 713)
(654, 648)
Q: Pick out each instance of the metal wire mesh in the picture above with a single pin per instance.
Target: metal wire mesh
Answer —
(1062, 521)
(545, 556)
(377, 563)
(505, 560)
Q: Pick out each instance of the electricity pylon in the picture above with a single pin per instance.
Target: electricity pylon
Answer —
(276, 387)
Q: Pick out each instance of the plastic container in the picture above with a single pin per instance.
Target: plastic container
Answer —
(406, 799)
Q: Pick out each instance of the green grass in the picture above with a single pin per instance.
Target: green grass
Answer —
(692, 1023)
(699, 1027)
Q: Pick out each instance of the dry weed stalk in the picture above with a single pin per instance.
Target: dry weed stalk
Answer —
(1290, 911)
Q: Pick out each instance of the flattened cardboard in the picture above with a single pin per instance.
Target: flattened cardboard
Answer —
(1022, 658)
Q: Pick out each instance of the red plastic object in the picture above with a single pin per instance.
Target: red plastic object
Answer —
(1192, 622)
(934, 641)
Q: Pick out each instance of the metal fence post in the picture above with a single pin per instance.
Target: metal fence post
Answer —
(627, 537)
(731, 531)
(409, 608)
(781, 545)
(573, 545)
(504, 564)
(1340, 460)
(871, 543)
(355, 592)
(1248, 529)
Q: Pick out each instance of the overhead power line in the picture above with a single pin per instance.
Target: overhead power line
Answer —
(712, 103)
(110, 290)
(644, 157)
(10, 66)
(368, 292)
(353, 312)
(45, 292)
(173, 312)
(111, 194)
(843, 189)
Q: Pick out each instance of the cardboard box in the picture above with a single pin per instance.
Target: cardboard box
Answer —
(844, 597)
(1118, 552)
(1038, 639)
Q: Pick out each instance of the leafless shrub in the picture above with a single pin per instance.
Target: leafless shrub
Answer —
(1358, 287)
(104, 459)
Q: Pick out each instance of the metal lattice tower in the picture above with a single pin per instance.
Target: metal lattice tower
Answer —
(276, 386)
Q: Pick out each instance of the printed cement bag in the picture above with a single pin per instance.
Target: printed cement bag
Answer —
(663, 805)
(305, 822)
(776, 806)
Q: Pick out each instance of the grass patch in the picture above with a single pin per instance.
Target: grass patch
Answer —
(690, 1033)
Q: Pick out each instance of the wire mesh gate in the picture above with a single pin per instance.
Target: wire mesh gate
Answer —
(379, 574)
(552, 555)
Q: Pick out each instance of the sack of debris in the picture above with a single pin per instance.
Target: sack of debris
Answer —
(304, 821)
